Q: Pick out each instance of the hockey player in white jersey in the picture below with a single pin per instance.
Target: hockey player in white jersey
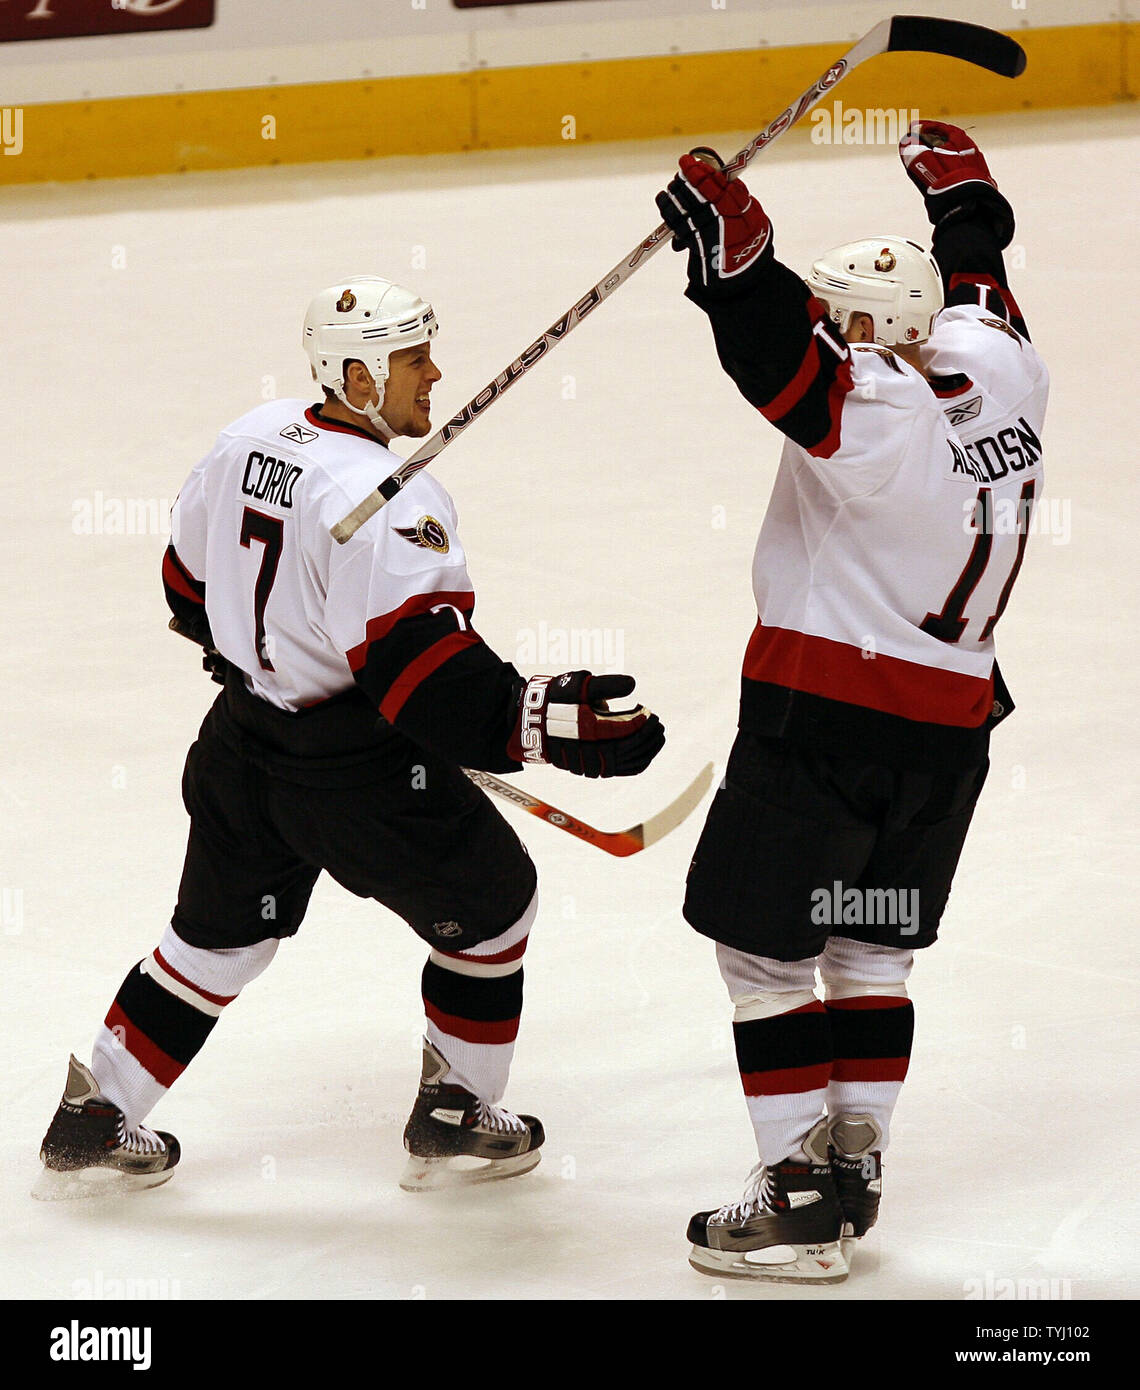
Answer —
(355, 691)
(912, 401)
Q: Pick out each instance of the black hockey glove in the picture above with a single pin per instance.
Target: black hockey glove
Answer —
(724, 229)
(565, 721)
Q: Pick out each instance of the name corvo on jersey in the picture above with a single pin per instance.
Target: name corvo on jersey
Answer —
(270, 479)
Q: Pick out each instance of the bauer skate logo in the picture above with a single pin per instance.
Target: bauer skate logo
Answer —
(803, 1199)
(75, 1343)
(427, 533)
(448, 1117)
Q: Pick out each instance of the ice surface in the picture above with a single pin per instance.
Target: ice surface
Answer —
(619, 488)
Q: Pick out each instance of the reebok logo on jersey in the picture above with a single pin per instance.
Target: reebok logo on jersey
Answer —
(299, 434)
(427, 532)
(959, 413)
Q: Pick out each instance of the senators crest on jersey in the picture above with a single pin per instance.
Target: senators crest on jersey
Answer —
(428, 533)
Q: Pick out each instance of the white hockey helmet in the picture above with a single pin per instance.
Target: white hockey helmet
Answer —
(364, 319)
(890, 277)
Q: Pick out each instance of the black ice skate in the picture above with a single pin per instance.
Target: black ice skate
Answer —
(88, 1151)
(785, 1229)
(857, 1163)
(454, 1138)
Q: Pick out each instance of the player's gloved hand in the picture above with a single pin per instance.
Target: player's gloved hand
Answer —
(724, 229)
(565, 720)
(943, 161)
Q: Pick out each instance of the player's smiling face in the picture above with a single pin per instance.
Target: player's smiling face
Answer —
(407, 392)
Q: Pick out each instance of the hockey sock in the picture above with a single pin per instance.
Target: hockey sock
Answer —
(783, 1048)
(872, 1027)
(473, 1001)
(164, 1011)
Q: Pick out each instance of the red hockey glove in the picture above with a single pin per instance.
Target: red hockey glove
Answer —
(724, 229)
(943, 161)
(564, 720)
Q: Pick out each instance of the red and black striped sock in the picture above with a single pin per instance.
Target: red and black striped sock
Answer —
(473, 1017)
(872, 1036)
(162, 1015)
(785, 1065)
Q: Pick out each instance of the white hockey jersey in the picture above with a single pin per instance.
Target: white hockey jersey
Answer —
(884, 562)
(293, 610)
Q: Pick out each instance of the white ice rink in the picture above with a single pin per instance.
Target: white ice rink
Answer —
(619, 489)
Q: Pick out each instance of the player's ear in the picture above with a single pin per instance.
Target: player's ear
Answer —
(861, 329)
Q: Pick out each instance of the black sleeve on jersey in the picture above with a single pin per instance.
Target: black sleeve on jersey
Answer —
(186, 597)
(968, 252)
(788, 359)
(445, 688)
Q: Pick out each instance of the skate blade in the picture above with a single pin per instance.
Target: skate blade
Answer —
(778, 1264)
(85, 1183)
(432, 1174)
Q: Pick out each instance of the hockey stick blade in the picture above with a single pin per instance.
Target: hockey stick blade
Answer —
(972, 43)
(620, 842)
(903, 33)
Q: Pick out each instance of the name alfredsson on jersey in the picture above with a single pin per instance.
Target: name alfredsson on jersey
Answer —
(993, 457)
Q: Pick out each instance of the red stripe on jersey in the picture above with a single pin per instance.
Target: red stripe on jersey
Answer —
(220, 999)
(806, 373)
(870, 1068)
(418, 670)
(336, 428)
(473, 1030)
(836, 394)
(419, 603)
(870, 1001)
(499, 958)
(163, 1068)
(178, 577)
(839, 671)
(787, 1081)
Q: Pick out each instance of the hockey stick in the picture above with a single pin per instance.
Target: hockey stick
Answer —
(971, 43)
(619, 842)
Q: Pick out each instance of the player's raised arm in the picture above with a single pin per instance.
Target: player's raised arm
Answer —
(772, 336)
(972, 220)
